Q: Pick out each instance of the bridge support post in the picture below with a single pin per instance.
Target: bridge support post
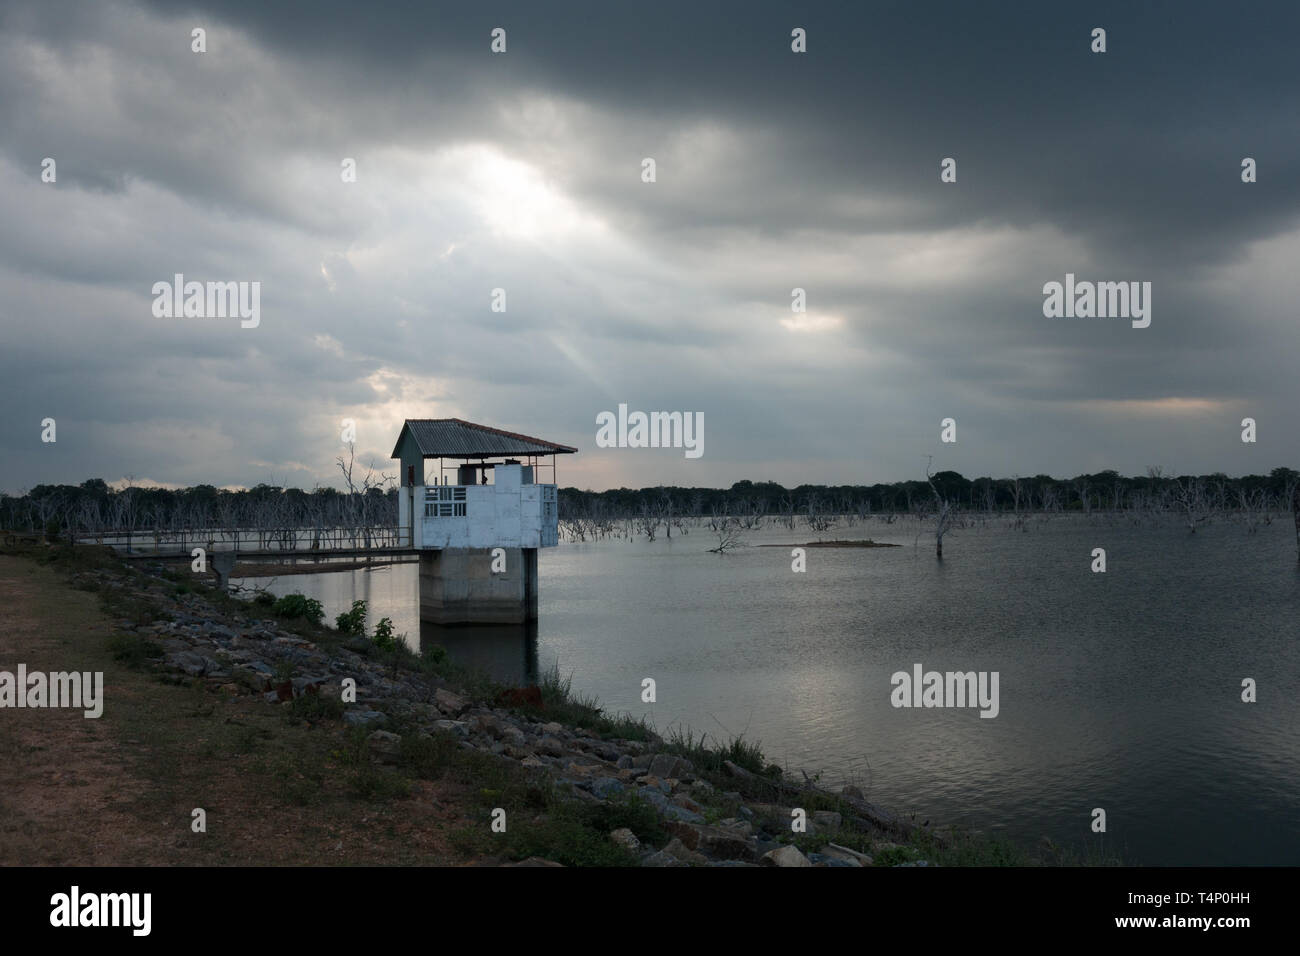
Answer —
(222, 563)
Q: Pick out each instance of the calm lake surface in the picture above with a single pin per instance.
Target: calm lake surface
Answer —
(1119, 690)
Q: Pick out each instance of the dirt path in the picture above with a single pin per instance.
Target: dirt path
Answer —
(120, 789)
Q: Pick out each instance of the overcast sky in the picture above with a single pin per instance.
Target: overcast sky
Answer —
(523, 171)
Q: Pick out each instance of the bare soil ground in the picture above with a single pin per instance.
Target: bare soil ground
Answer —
(120, 789)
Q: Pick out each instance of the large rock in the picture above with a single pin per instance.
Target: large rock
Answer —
(679, 851)
(308, 685)
(715, 841)
(607, 752)
(771, 813)
(534, 861)
(785, 856)
(686, 803)
(727, 843)
(188, 662)
(680, 813)
(626, 839)
(364, 718)
(844, 853)
(552, 746)
(449, 703)
(606, 787)
(260, 668)
(827, 819)
(665, 809)
(385, 747)
(688, 833)
(667, 766)
(486, 723)
(655, 798)
(737, 825)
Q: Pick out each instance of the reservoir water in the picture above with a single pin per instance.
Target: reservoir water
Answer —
(1120, 690)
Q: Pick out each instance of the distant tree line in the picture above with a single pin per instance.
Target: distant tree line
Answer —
(1103, 491)
(93, 508)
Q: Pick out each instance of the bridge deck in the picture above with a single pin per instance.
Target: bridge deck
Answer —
(306, 554)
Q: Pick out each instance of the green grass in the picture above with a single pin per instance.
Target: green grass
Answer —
(569, 833)
(310, 708)
(708, 756)
(132, 649)
(562, 704)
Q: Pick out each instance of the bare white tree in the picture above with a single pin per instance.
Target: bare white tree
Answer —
(944, 517)
(728, 528)
(1190, 497)
(359, 498)
(818, 515)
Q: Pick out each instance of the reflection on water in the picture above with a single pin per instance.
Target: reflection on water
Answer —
(505, 652)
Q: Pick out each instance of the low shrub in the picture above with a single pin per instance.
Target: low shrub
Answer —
(353, 622)
(299, 606)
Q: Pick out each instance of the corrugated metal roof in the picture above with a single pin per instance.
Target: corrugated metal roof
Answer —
(453, 438)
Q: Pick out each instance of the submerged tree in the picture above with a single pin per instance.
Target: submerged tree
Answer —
(1295, 513)
(944, 515)
(728, 528)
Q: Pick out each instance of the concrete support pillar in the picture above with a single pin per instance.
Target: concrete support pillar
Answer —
(222, 563)
(458, 586)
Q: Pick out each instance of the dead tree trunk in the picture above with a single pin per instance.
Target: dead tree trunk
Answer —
(1295, 513)
(944, 517)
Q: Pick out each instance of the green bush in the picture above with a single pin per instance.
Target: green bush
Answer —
(353, 622)
(433, 659)
(625, 810)
(384, 638)
(299, 605)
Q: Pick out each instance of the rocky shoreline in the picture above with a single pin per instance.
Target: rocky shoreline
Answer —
(724, 815)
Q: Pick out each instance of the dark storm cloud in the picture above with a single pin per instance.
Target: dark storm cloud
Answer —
(774, 171)
(1133, 147)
